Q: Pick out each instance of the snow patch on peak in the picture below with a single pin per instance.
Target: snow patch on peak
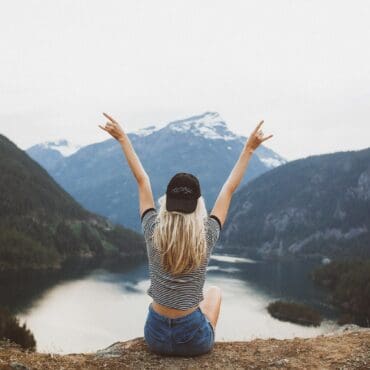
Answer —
(209, 125)
(145, 131)
(63, 146)
(271, 159)
(272, 162)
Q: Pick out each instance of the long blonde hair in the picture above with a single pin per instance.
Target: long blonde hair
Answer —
(180, 237)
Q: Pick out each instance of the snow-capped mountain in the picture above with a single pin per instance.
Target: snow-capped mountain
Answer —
(208, 125)
(63, 146)
(49, 153)
(211, 126)
(98, 176)
(145, 131)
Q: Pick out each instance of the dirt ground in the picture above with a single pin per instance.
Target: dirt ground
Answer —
(347, 349)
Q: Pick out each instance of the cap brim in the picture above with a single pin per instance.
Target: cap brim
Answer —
(181, 205)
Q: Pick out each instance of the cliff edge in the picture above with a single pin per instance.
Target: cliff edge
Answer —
(348, 348)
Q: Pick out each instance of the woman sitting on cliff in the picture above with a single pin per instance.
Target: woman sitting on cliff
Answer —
(180, 237)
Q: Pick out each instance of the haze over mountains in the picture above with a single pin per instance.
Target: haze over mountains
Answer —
(315, 206)
(98, 176)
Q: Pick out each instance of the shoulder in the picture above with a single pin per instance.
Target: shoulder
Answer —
(213, 226)
(215, 221)
(149, 212)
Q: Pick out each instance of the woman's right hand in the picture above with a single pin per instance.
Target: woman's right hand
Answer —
(256, 138)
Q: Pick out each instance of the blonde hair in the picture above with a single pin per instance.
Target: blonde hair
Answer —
(180, 237)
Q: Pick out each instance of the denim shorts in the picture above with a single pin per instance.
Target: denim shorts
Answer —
(188, 335)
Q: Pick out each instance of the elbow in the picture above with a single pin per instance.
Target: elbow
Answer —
(143, 179)
(229, 189)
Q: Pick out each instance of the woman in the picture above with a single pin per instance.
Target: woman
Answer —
(180, 238)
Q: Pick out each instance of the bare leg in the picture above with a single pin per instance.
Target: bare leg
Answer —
(211, 303)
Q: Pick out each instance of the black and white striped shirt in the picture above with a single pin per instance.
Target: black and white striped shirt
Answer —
(183, 291)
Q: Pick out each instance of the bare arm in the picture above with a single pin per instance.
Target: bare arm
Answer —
(223, 200)
(145, 192)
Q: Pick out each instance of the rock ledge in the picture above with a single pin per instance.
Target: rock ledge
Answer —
(348, 348)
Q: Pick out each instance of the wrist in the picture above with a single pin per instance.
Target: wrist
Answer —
(121, 139)
(249, 150)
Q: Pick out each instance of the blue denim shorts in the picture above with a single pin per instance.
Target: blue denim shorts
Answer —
(189, 335)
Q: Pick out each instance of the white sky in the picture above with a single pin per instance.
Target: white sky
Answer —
(303, 66)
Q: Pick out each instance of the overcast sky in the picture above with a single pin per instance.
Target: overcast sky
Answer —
(303, 66)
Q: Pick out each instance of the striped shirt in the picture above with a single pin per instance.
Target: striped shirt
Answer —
(183, 291)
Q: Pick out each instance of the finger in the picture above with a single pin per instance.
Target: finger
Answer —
(268, 137)
(103, 128)
(258, 127)
(109, 117)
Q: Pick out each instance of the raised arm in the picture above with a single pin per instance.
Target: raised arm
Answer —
(145, 192)
(223, 200)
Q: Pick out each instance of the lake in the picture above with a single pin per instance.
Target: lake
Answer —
(89, 310)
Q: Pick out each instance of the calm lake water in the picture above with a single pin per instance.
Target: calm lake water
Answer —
(86, 311)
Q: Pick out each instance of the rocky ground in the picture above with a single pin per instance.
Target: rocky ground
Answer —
(348, 348)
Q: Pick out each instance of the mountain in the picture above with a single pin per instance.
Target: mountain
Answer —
(49, 153)
(98, 176)
(315, 206)
(41, 224)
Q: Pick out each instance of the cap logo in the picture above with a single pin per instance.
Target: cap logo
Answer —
(182, 189)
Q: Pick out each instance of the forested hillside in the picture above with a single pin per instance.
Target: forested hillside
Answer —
(41, 224)
(315, 206)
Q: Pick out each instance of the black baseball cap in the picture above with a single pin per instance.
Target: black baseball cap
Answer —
(182, 193)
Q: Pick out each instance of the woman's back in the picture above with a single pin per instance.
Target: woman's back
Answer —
(181, 291)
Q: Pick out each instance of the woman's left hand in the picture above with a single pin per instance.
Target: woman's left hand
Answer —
(256, 138)
(113, 128)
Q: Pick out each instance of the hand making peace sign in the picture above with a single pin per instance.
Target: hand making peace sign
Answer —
(256, 138)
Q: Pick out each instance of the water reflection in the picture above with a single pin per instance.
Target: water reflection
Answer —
(93, 309)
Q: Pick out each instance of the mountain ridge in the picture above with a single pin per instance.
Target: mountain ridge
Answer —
(314, 206)
(200, 144)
